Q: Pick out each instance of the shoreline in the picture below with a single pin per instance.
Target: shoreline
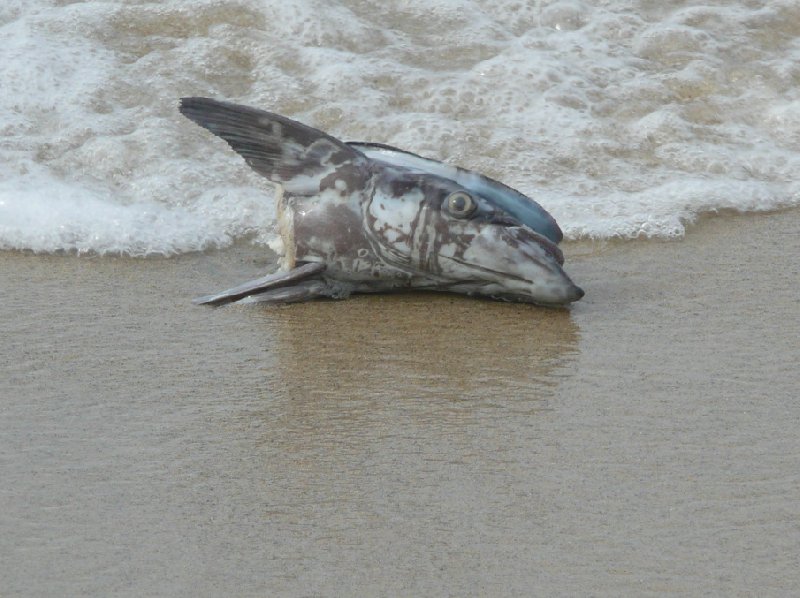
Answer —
(642, 441)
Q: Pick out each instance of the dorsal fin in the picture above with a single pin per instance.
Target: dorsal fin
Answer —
(285, 151)
(511, 201)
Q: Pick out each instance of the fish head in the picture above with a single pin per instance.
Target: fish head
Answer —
(453, 238)
(360, 217)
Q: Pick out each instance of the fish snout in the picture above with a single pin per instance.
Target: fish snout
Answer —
(543, 268)
(565, 291)
(527, 266)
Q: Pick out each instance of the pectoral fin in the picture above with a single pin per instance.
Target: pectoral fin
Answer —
(302, 291)
(283, 281)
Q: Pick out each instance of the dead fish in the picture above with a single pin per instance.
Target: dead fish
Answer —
(362, 217)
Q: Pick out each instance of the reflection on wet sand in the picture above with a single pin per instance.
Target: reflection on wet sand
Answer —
(382, 409)
(341, 368)
(421, 346)
(409, 445)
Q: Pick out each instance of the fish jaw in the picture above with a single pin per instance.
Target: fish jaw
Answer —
(511, 263)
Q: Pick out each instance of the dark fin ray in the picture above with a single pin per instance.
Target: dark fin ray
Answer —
(259, 285)
(283, 150)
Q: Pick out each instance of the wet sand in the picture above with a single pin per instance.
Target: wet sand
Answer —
(645, 442)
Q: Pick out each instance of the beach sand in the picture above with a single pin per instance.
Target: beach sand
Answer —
(646, 441)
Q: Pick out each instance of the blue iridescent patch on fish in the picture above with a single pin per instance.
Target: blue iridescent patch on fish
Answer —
(519, 206)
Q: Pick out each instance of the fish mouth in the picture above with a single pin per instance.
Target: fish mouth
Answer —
(499, 288)
(490, 271)
(575, 295)
(512, 263)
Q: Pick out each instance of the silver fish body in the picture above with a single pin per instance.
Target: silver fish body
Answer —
(361, 218)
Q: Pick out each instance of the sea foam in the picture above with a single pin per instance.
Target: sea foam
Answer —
(623, 118)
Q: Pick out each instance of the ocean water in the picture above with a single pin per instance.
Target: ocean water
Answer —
(624, 118)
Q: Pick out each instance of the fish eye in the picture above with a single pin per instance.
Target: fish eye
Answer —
(460, 204)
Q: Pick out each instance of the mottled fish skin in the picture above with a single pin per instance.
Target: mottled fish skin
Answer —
(383, 224)
(506, 198)
(400, 236)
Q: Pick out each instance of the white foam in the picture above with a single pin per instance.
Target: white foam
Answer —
(44, 214)
(624, 118)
